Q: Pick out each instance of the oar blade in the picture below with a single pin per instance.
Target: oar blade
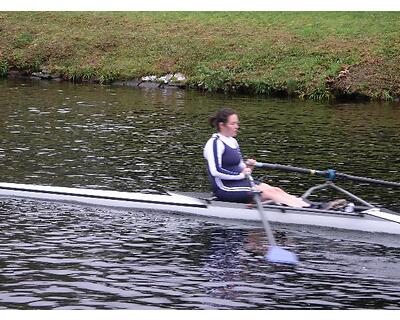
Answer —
(279, 255)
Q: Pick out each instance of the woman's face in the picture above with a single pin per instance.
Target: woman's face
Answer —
(231, 127)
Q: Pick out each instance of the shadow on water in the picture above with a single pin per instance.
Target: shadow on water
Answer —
(62, 256)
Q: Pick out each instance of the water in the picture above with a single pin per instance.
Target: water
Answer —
(63, 256)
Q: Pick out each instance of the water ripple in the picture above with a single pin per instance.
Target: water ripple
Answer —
(62, 256)
(80, 258)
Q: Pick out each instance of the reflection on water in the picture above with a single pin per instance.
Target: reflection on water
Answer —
(65, 256)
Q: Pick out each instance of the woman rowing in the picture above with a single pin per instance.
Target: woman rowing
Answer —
(227, 170)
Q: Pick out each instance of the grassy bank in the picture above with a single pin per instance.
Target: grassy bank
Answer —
(309, 55)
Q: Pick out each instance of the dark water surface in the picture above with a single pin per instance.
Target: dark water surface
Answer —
(63, 256)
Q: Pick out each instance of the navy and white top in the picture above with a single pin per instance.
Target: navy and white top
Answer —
(224, 166)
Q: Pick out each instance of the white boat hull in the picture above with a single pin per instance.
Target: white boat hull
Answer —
(176, 202)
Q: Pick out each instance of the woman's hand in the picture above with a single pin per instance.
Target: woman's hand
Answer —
(246, 171)
(251, 163)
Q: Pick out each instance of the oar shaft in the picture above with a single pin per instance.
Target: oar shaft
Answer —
(267, 226)
(281, 167)
(329, 174)
(368, 180)
(275, 254)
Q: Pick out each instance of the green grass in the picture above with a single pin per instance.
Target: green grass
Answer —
(289, 53)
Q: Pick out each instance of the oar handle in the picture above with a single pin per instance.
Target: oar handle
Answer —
(329, 174)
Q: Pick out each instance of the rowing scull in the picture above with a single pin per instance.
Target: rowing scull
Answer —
(183, 203)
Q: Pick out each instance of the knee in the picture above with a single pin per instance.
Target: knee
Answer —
(274, 190)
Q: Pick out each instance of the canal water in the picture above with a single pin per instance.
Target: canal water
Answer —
(66, 256)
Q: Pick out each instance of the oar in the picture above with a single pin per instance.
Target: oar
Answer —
(329, 174)
(275, 253)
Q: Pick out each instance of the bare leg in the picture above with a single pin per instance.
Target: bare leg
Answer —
(279, 196)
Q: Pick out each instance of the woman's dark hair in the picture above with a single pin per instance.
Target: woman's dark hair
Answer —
(220, 116)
